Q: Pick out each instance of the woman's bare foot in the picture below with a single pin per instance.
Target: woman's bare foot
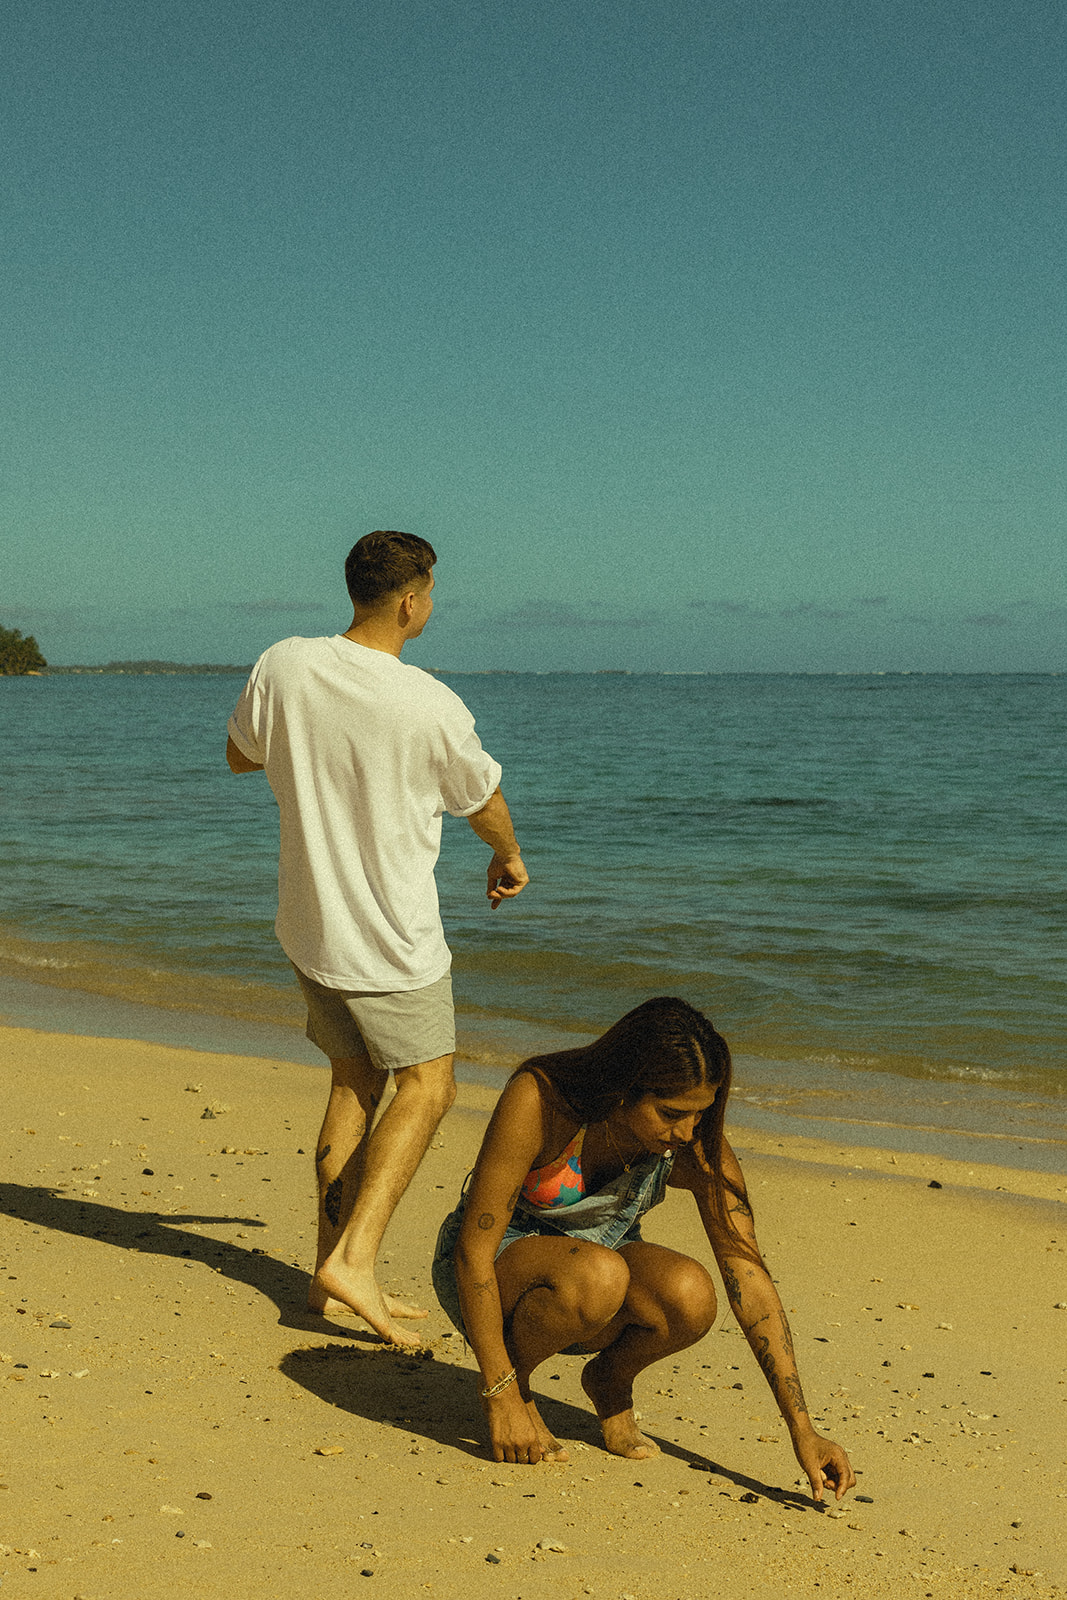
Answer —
(615, 1409)
(551, 1449)
(358, 1291)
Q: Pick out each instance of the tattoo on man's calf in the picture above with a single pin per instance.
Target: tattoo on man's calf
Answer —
(331, 1202)
(322, 1154)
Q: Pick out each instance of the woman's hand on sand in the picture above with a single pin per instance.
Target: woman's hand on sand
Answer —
(512, 1433)
(826, 1465)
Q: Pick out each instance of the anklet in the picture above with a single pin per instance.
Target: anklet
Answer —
(499, 1386)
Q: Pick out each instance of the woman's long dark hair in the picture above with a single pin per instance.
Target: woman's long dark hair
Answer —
(662, 1047)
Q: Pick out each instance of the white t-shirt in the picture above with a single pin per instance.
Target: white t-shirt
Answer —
(364, 754)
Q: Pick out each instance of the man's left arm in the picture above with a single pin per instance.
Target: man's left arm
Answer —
(507, 874)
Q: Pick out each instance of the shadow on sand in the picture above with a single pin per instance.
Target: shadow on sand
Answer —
(436, 1402)
(410, 1391)
(161, 1234)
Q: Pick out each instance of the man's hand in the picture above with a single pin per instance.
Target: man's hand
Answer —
(507, 874)
(507, 877)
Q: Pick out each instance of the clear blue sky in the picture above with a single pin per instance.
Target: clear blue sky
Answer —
(693, 335)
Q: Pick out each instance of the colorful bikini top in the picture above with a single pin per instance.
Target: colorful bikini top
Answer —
(560, 1183)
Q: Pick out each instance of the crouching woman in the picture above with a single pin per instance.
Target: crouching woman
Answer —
(544, 1253)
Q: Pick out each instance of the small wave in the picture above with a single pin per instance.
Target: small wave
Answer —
(782, 800)
(38, 963)
(487, 1058)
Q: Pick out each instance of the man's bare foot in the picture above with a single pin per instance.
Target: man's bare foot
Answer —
(359, 1292)
(551, 1449)
(326, 1306)
(615, 1410)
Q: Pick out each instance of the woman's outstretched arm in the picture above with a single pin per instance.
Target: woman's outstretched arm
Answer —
(756, 1304)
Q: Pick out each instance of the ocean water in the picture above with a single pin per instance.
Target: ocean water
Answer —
(860, 878)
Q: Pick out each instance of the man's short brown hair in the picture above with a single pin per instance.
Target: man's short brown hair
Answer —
(385, 561)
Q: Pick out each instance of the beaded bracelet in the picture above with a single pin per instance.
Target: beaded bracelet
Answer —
(499, 1386)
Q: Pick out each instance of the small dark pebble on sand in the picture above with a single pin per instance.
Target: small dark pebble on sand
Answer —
(933, 1184)
(750, 1499)
(203, 1495)
(865, 1499)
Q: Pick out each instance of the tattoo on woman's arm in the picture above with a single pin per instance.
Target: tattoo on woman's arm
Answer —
(733, 1282)
(765, 1357)
(791, 1385)
(486, 1221)
(785, 1386)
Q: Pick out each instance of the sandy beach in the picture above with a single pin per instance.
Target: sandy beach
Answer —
(176, 1424)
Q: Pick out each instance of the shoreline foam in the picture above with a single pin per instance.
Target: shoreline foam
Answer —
(959, 1119)
(257, 987)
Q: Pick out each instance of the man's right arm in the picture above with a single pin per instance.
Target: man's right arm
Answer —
(507, 875)
(238, 761)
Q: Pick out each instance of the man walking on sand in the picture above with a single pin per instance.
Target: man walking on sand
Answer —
(364, 754)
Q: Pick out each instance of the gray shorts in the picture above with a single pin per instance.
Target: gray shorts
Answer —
(395, 1030)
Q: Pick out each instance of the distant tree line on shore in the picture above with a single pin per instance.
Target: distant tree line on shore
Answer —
(147, 668)
(19, 654)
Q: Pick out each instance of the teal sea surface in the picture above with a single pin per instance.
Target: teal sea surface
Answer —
(860, 878)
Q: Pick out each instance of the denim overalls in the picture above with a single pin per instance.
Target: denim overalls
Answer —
(611, 1217)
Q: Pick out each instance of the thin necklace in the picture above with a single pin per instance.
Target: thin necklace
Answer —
(626, 1165)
